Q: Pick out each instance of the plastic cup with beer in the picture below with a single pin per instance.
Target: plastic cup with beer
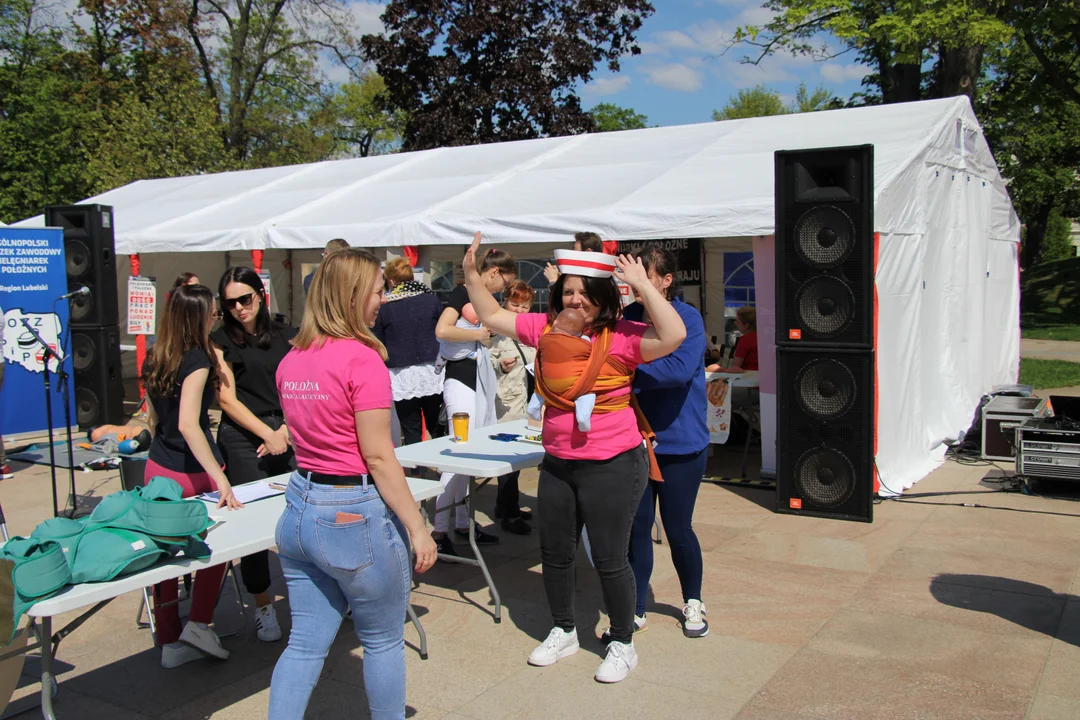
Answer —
(461, 426)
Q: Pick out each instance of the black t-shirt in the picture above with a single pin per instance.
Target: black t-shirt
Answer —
(464, 371)
(255, 369)
(169, 448)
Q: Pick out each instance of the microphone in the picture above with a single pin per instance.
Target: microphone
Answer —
(83, 290)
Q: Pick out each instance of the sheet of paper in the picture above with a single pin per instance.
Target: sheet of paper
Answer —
(249, 492)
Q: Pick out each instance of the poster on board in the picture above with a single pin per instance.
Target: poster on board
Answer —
(718, 391)
(142, 306)
(33, 277)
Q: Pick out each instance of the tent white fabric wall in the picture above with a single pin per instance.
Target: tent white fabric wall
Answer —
(947, 277)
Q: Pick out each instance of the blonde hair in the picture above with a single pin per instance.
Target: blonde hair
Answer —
(748, 315)
(336, 299)
(398, 270)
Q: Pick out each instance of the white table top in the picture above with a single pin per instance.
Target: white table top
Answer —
(746, 379)
(480, 456)
(243, 532)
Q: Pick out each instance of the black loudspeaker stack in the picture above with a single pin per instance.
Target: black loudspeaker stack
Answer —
(825, 262)
(89, 250)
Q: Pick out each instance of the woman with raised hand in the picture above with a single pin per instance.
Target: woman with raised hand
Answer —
(593, 478)
(252, 437)
(344, 537)
(181, 375)
(470, 386)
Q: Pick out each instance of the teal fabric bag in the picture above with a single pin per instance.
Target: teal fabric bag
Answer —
(100, 554)
(31, 569)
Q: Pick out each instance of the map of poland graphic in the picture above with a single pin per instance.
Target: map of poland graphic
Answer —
(21, 348)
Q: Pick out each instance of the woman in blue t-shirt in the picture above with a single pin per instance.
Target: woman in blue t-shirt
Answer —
(181, 378)
(671, 392)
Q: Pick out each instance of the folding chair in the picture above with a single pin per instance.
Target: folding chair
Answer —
(132, 475)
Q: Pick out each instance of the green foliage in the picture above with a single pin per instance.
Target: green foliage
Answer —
(1050, 300)
(365, 124)
(1057, 242)
(610, 117)
(1043, 374)
(760, 101)
(468, 73)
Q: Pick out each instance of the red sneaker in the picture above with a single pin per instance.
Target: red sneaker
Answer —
(6, 472)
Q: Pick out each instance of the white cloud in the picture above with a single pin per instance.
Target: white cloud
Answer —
(608, 86)
(674, 76)
(843, 73)
(755, 15)
(711, 37)
(651, 48)
(368, 16)
(675, 39)
(743, 75)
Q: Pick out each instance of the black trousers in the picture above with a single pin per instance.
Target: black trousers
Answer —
(412, 422)
(508, 500)
(602, 495)
(239, 449)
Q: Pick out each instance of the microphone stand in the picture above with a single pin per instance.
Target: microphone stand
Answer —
(63, 377)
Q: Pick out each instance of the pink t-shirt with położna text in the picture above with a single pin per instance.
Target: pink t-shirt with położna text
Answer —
(613, 432)
(321, 391)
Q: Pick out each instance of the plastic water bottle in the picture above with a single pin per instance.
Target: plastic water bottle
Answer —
(128, 447)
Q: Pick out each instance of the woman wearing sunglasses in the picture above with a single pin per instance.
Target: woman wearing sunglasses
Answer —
(252, 437)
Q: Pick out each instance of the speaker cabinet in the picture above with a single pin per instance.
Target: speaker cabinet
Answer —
(825, 246)
(825, 432)
(99, 387)
(89, 250)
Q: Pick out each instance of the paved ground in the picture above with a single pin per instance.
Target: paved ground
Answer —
(933, 611)
(1050, 350)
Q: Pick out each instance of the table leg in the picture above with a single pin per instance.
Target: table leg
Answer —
(47, 680)
(479, 556)
(420, 630)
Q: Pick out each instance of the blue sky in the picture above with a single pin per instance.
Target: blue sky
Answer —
(681, 77)
(683, 73)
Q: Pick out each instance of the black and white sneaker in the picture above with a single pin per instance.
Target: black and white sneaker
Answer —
(694, 623)
(640, 626)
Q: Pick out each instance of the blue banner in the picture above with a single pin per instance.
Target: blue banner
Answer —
(33, 276)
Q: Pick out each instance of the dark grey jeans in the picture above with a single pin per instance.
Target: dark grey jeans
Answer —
(602, 495)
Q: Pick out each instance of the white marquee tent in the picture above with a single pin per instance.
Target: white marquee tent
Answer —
(947, 279)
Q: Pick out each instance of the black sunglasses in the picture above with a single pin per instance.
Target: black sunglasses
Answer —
(244, 300)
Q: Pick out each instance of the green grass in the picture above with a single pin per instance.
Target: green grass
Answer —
(1049, 373)
(1050, 301)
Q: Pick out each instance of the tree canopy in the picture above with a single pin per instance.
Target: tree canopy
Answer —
(609, 118)
(503, 70)
(760, 101)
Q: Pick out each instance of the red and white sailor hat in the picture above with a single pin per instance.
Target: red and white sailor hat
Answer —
(589, 264)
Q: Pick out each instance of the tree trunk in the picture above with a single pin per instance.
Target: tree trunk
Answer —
(902, 82)
(958, 72)
(1034, 232)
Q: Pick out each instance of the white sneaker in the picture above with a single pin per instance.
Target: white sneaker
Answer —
(176, 654)
(559, 644)
(621, 659)
(694, 623)
(202, 638)
(266, 624)
(639, 627)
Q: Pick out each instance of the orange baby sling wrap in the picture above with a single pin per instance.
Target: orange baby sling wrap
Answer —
(568, 367)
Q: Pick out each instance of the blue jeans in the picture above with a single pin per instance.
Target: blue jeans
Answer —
(363, 565)
(676, 496)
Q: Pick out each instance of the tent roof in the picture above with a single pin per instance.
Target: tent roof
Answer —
(710, 179)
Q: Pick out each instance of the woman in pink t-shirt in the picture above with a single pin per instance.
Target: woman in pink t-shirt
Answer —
(593, 478)
(342, 538)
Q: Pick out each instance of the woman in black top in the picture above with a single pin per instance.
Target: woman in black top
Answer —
(252, 437)
(181, 376)
(406, 326)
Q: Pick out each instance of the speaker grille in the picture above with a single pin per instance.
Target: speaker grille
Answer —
(826, 388)
(824, 237)
(78, 258)
(825, 478)
(825, 306)
(88, 410)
